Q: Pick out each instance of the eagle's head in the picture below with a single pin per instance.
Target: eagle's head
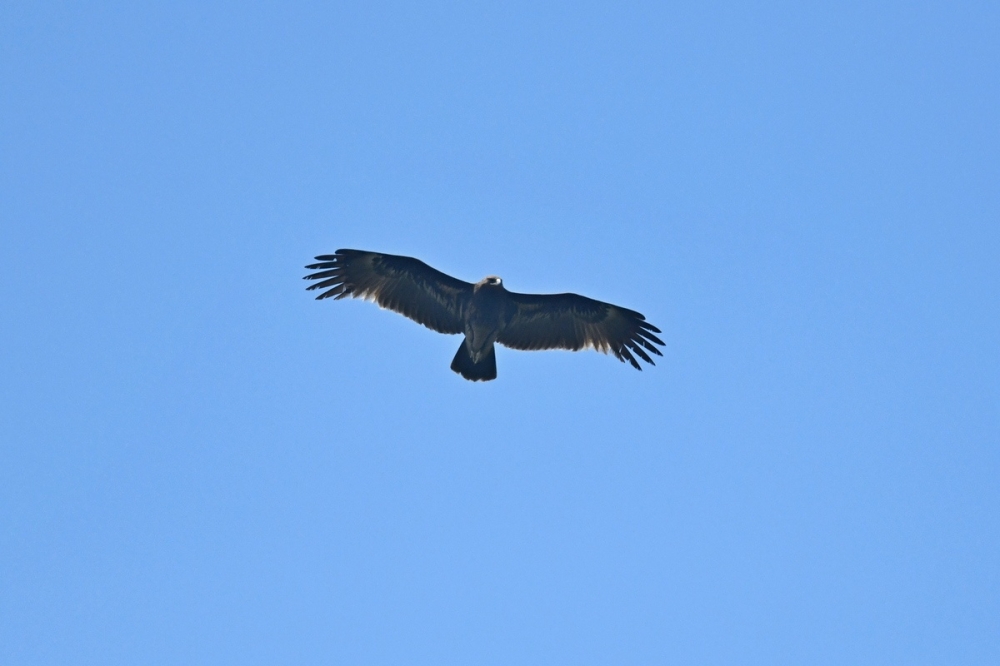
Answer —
(490, 282)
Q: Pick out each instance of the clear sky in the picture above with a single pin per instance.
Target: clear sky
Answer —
(200, 464)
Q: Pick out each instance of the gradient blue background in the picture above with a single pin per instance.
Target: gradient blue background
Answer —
(201, 465)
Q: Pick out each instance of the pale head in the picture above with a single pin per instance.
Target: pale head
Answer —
(490, 281)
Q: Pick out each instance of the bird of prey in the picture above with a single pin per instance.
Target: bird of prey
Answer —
(485, 311)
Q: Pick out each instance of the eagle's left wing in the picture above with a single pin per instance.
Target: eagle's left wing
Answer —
(570, 321)
(401, 284)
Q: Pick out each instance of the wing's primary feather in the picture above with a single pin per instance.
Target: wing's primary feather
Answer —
(570, 321)
(401, 284)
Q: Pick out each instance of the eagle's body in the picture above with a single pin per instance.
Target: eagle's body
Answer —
(486, 316)
(485, 312)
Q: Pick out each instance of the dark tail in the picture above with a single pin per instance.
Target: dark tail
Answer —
(483, 371)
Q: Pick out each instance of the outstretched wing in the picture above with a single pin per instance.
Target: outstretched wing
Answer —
(570, 321)
(401, 284)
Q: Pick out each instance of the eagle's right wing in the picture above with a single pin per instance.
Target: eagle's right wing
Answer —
(571, 321)
(401, 284)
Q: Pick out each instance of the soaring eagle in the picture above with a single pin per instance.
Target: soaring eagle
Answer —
(485, 312)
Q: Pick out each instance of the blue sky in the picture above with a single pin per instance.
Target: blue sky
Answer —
(201, 464)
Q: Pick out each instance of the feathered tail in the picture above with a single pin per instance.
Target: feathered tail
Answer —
(483, 371)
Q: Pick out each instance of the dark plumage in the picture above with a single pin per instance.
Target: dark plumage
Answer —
(485, 312)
